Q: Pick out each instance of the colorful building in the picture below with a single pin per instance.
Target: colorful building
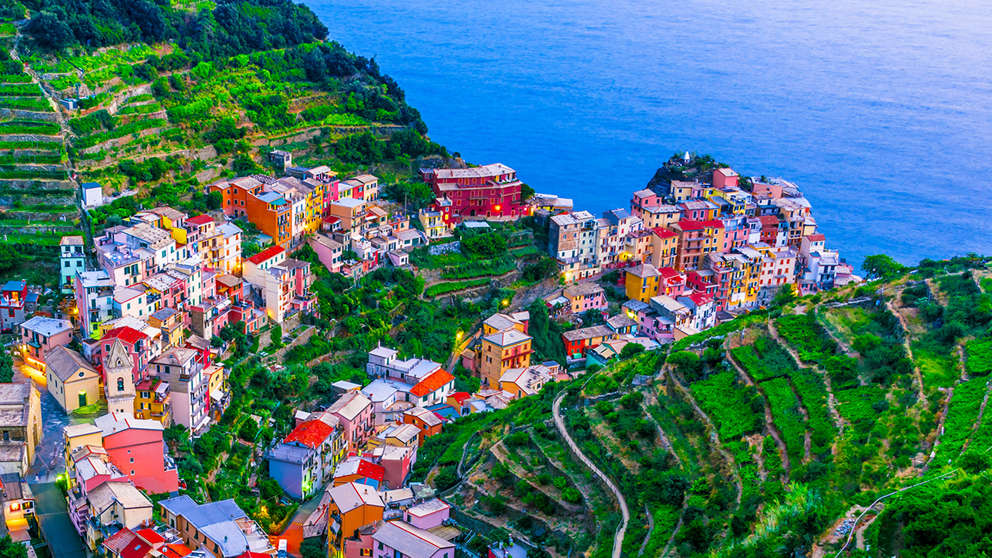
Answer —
(71, 380)
(486, 191)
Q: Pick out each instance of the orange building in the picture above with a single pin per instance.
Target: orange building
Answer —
(696, 239)
(428, 423)
(352, 507)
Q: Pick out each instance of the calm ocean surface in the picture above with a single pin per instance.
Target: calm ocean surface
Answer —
(881, 111)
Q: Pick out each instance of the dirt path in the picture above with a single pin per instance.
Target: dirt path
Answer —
(714, 436)
(917, 375)
(839, 422)
(624, 512)
(769, 419)
(940, 427)
(662, 436)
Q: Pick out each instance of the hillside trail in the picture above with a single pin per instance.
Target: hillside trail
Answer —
(978, 418)
(651, 400)
(624, 511)
(917, 375)
(940, 428)
(769, 418)
(839, 421)
(714, 435)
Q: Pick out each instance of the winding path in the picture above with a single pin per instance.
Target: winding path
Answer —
(769, 418)
(624, 512)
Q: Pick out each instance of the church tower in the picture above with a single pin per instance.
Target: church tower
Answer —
(117, 369)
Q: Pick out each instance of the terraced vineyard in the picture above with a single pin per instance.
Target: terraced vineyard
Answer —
(37, 196)
(763, 441)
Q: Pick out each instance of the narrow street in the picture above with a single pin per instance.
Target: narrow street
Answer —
(56, 528)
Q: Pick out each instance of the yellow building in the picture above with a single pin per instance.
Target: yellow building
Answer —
(315, 207)
(79, 435)
(71, 380)
(641, 282)
(152, 401)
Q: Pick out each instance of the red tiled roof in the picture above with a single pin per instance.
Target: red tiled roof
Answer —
(461, 396)
(200, 219)
(250, 554)
(266, 254)
(175, 551)
(668, 272)
(127, 334)
(662, 232)
(432, 383)
(150, 536)
(126, 544)
(817, 237)
(691, 225)
(311, 433)
(768, 220)
(370, 470)
(119, 540)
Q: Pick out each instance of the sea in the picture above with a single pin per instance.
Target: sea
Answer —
(880, 111)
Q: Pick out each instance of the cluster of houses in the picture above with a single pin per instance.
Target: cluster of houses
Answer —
(151, 304)
(689, 254)
(344, 221)
(357, 454)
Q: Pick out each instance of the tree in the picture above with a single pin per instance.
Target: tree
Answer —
(6, 366)
(786, 295)
(881, 266)
(11, 549)
(50, 31)
(275, 336)
(314, 547)
(541, 269)
(631, 349)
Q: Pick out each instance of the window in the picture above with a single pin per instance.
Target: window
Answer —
(120, 384)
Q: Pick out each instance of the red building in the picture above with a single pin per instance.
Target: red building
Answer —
(487, 191)
(136, 447)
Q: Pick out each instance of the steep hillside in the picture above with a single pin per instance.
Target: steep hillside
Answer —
(152, 102)
(771, 435)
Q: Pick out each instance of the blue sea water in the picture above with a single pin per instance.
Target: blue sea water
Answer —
(881, 111)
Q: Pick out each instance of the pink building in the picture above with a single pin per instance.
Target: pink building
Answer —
(136, 447)
(428, 515)
(645, 199)
(136, 343)
(396, 462)
(354, 410)
(671, 282)
(40, 335)
(724, 178)
(762, 190)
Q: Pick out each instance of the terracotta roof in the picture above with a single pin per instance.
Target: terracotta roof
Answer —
(150, 536)
(266, 254)
(817, 237)
(662, 232)
(668, 273)
(432, 383)
(200, 220)
(176, 550)
(461, 396)
(126, 334)
(768, 220)
(311, 433)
